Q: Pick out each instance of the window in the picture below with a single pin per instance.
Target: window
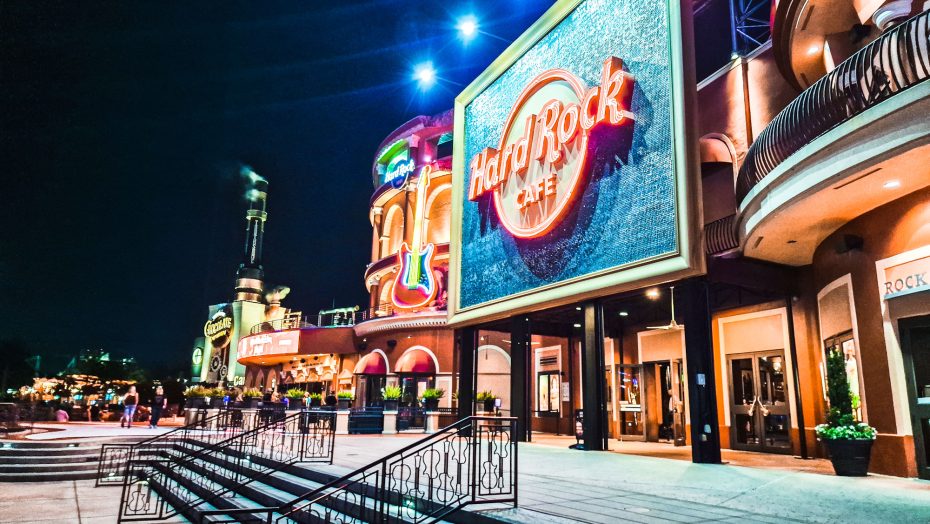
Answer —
(547, 392)
(844, 342)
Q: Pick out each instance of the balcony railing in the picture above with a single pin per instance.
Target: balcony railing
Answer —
(895, 61)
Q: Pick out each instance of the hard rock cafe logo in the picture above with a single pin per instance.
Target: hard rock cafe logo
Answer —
(217, 329)
(536, 171)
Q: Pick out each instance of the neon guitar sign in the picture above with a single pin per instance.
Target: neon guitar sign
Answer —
(415, 285)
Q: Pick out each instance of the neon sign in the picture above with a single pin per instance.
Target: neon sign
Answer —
(415, 284)
(398, 171)
(536, 170)
(267, 344)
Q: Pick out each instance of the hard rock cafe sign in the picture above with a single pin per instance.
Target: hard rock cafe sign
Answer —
(535, 173)
(217, 330)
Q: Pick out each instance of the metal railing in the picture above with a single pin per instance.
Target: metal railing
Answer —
(114, 458)
(896, 60)
(191, 473)
(473, 461)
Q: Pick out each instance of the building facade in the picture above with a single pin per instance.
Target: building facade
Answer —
(612, 247)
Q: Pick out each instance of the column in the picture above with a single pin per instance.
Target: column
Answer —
(702, 384)
(594, 425)
(519, 380)
(467, 345)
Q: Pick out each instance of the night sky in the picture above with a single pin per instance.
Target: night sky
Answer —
(123, 126)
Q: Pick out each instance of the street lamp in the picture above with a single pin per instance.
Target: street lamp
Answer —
(425, 75)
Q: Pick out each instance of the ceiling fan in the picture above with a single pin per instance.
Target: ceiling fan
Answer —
(671, 325)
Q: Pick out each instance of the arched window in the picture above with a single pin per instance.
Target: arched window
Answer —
(718, 177)
(439, 215)
(393, 232)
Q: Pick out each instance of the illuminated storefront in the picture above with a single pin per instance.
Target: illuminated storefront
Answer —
(686, 272)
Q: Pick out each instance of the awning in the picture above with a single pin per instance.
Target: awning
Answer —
(371, 364)
(416, 361)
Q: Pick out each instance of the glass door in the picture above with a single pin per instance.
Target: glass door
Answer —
(915, 350)
(760, 418)
(629, 393)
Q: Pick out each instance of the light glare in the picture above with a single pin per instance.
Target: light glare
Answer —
(425, 74)
(468, 27)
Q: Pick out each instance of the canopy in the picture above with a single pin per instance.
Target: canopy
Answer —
(371, 364)
(416, 361)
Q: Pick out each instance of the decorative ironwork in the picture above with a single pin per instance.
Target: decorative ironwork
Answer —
(178, 475)
(473, 461)
(895, 61)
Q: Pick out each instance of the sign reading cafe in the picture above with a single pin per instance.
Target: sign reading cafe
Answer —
(573, 161)
(536, 169)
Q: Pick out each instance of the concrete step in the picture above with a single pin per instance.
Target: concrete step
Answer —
(51, 468)
(59, 458)
(48, 476)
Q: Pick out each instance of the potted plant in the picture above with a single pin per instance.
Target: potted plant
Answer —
(316, 400)
(848, 443)
(295, 398)
(218, 396)
(197, 397)
(391, 395)
(344, 399)
(486, 398)
(431, 398)
(251, 397)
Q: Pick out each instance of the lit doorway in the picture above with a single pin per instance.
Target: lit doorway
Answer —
(759, 407)
(915, 352)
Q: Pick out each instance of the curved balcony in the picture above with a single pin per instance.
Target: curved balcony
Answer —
(855, 140)
(894, 62)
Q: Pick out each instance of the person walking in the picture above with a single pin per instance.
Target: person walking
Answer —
(130, 401)
(160, 403)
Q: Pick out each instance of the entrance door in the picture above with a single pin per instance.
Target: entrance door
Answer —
(629, 391)
(915, 350)
(760, 417)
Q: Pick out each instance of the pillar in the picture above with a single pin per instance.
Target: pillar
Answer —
(519, 380)
(467, 339)
(702, 384)
(594, 425)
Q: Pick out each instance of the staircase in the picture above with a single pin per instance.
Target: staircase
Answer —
(36, 461)
(259, 475)
(471, 462)
(205, 464)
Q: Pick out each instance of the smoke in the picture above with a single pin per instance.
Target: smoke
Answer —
(256, 185)
(251, 176)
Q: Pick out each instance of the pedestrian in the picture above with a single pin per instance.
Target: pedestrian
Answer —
(130, 401)
(61, 415)
(160, 403)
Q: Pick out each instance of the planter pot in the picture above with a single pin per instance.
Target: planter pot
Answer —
(850, 458)
(489, 406)
(391, 405)
(197, 402)
(315, 402)
(344, 403)
(293, 404)
(251, 402)
(431, 404)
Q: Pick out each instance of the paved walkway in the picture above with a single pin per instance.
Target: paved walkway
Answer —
(69, 502)
(82, 430)
(562, 485)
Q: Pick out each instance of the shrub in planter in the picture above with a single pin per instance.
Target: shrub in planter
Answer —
(197, 396)
(316, 400)
(431, 398)
(849, 443)
(217, 396)
(344, 399)
(391, 395)
(295, 398)
(486, 398)
(251, 397)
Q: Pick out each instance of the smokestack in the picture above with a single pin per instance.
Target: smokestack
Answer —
(249, 277)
